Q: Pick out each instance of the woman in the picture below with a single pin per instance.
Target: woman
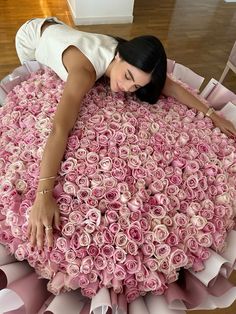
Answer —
(79, 58)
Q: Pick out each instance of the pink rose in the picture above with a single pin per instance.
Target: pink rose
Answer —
(93, 250)
(70, 255)
(158, 212)
(209, 228)
(106, 164)
(92, 158)
(134, 162)
(192, 244)
(68, 229)
(161, 232)
(119, 255)
(90, 170)
(135, 216)
(134, 232)
(110, 182)
(121, 239)
(61, 244)
(89, 227)
(86, 265)
(68, 165)
(204, 253)
(124, 152)
(192, 166)
(192, 181)
(132, 264)
(204, 240)
(135, 203)
(85, 239)
(21, 253)
(119, 272)
(148, 249)
(130, 281)
(112, 195)
(139, 173)
(98, 238)
(112, 152)
(156, 186)
(131, 294)
(172, 190)
(151, 263)
(162, 251)
(176, 179)
(93, 276)
(197, 265)
(172, 239)
(119, 173)
(73, 270)
(114, 227)
(167, 221)
(82, 181)
(94, 216)
(207, 214)
(178, 258)
(100, 262)
(98, 192)
(107, 251)
(180, 220)
(132, 248)
(198, 221)
(80, 154)
(153, 282)
(111, 216)
(56, 257)
(81, 253)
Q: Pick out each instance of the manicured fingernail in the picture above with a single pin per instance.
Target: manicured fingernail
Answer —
(40, 251)
(32, 249)
(50, 249)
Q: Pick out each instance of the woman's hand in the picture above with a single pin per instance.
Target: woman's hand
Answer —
(226, 126)
(43, 216)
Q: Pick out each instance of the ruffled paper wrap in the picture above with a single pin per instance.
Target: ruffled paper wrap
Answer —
(202, 282)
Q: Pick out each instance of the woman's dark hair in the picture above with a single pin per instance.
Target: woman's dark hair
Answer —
(148, 54)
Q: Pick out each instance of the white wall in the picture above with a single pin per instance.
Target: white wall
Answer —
(101, 11)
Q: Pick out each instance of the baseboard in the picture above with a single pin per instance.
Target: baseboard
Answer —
(230, 0)
(90, 20)
(93, 20)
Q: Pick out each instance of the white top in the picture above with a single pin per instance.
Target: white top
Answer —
(99, 49)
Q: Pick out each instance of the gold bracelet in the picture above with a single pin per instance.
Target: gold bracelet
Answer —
(210, 112)
(47, 178)
(45, 191)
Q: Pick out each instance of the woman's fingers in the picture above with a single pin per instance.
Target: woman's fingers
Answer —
(33, 232)
(57, 219)
(29, 227)
(49, 236)
(40, 236)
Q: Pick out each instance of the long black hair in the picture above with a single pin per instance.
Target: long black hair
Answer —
(147, 54)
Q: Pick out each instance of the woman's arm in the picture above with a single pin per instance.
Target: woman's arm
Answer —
(45, 210)
(173, 89)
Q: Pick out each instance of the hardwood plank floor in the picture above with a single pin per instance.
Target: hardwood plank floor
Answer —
(198, 34)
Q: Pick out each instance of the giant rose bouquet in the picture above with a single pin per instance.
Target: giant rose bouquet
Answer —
(143, 190)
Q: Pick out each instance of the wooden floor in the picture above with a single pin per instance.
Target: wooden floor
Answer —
(197, 33)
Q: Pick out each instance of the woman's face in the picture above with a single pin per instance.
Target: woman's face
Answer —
(125, 77)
